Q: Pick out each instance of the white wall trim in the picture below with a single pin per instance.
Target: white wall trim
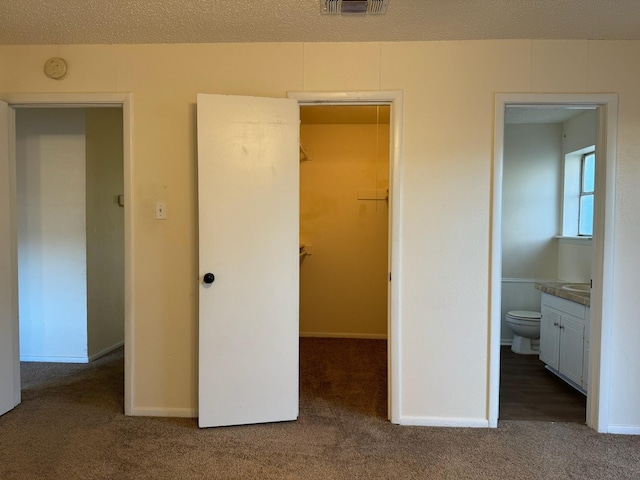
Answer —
(104, 351)
(518, 280)
(64, 100)
(602, 307)
(394, 98)
(84, 100)
(53, 359)
(363, 336)
(624, 429)
(527, 280)
(164, 412)
(445, 422)
(495, 311)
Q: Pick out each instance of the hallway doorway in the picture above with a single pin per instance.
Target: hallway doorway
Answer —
(10, 360)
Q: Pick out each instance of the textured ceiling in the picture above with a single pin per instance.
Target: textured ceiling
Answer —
(214, 21)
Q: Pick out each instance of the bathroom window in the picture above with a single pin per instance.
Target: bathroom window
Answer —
(579, 187)
(587, 186)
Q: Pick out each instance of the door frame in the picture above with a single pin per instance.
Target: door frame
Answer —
(603, 246)
(92, 100)
(393, 98)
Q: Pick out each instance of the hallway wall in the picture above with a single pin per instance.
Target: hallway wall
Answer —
(52, 272)
(105, 230)
(70, 233)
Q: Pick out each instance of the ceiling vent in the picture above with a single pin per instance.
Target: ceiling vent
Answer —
(358, 7)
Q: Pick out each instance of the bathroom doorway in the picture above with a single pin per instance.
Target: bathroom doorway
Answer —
(527, 271)
(536, 141)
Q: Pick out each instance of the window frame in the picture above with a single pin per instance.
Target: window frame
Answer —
(586, 193)
(572, 168)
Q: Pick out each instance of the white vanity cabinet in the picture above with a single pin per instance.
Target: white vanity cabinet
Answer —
(564, 334)
(587, 350)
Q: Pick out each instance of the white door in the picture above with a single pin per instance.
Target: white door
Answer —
(248, 203)
(9, 354)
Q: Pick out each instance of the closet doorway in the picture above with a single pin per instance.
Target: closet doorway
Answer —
(344, 253)
(344, 216)
(392, 99)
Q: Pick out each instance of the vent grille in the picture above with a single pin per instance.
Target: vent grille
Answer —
(349, 7)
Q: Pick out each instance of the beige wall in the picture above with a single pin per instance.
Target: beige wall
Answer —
(343, 284)
(105, 230)
(446, 171)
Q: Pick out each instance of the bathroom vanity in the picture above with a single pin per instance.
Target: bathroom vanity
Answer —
(565, 331)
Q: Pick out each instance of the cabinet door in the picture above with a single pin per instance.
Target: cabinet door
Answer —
(587, 350)
(549, 336)
(571, 348)
(585, 365)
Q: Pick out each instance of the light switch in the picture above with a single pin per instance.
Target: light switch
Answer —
(161, 210)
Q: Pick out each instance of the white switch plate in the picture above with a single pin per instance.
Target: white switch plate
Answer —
(161, 210)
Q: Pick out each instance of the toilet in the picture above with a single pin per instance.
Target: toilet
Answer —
(526, 331)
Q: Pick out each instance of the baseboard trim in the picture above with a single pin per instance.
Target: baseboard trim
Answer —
(365, 336)
(53, 359)
(69, 359)
(105, 351)
(624, 429)
(164, 412)
(444, 422)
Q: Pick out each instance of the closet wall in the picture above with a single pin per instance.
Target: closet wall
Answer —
(343, 283)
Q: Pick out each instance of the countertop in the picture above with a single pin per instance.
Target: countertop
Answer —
(555, 289)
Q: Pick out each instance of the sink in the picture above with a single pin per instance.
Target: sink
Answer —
(577, 287)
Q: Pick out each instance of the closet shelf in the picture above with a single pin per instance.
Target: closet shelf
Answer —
(304, 156)
(305, 250)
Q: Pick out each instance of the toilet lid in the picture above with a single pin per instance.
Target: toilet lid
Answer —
(524, 314)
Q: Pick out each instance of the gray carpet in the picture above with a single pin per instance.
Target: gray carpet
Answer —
(70, 426)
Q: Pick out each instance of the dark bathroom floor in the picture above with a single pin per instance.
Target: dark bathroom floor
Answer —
(528, 391)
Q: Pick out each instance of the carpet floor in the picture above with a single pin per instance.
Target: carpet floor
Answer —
(70, 426)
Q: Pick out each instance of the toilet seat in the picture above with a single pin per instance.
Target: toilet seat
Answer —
(526, 331)
(524, 315)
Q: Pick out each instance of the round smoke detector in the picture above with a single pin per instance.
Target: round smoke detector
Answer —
(56, 68)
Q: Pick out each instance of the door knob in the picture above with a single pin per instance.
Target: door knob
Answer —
(209, 278)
